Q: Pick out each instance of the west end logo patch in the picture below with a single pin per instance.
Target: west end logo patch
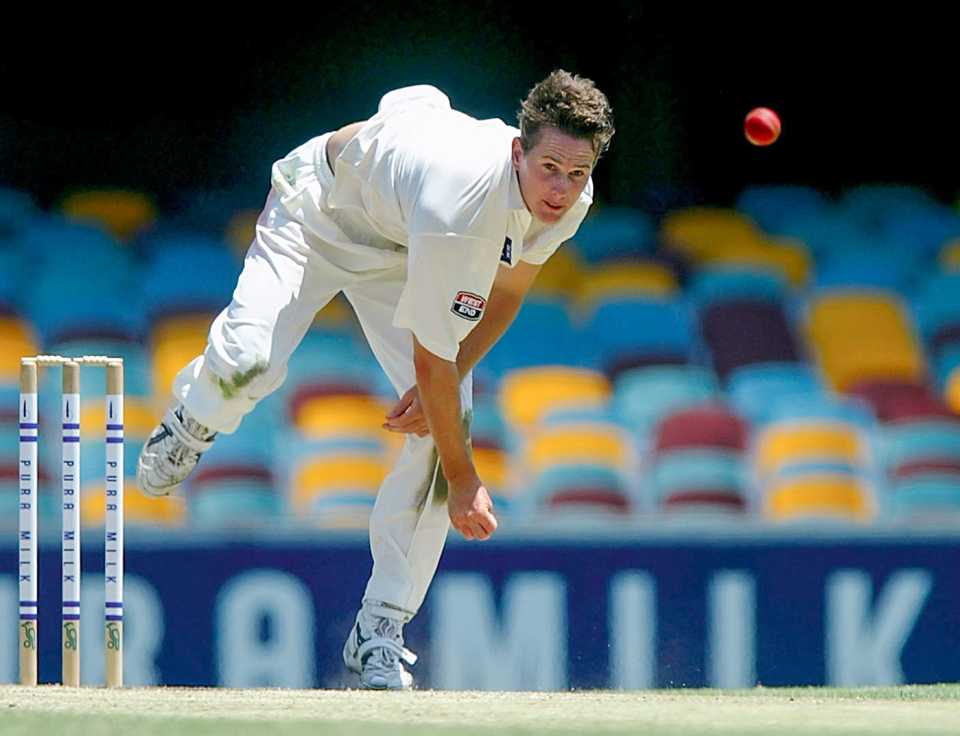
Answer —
(506, 255)
(468, 305)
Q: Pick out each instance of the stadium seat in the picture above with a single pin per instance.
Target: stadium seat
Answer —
(55, 243)
(894, 401)
(493, 467)
(122, 213)
(784, 445)
(887, 269)
(921, 447)
(208, 285)
(140, 511)
(698, 479)
(614, 232)
(788, 259)
(871, 205)
(746, 332)
(710, 426)
(576, 443)
(541, 334)
(335, 489)
(576, 491)
(628, 332)
(767, 205)
(825, 232)
(335, 359)
(949, 258)
(174, 342)
(97, 311)
(862, 336)
(924, 231)
(929, 499)
(17, 340)
(713, 284)
(820, 497)
(527, 394)
(752, 389)
(698, 232)
(17, 209)
(643, 396)
(626, 280)
(937, 307)
(240, 231)
(560, 276)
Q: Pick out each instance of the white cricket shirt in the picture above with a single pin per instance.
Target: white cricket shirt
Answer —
(442, 184)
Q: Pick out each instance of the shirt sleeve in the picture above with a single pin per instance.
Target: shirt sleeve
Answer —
(449, 278)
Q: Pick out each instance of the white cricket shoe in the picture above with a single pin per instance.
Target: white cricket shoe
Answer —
(375, 651)
(172, 452)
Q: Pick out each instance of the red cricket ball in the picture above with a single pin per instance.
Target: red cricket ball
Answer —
(762, 126)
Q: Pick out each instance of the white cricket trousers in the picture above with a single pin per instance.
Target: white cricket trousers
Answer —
(302, 256)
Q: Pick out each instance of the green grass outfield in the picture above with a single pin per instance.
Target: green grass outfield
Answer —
(51, 709)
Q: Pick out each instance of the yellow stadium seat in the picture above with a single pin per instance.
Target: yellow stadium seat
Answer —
(819, 496)
(138, 508)
(175, 342)
(952, 392)
(786, 443)
(139, 417)
(950, 255)
(326, 416)
(560, 276)
(337, 313)
(122, 213)
(527, 394)
(493, 467)
(16, 341)
(787, 258)
(577, 443)
(240, 231)
(353, 473)
(863, 335)
(627, 280)
(699, 231)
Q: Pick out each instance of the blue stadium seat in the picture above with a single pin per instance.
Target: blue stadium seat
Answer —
(62, 310)
(711, 285)
(826, 232)
(641, 327)
(937, 303)
(753, 389)
(16, 210)
(54, 243)
(643, 396)
(614, 232)
(769, 205)
(893, 269)
(822, 407)
(924, 231)
(542, 334)
(870, 205)
(188, 273)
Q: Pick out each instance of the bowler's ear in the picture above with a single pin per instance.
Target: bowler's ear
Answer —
(516, 153)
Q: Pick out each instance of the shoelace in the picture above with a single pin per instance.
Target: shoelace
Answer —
(386, 647)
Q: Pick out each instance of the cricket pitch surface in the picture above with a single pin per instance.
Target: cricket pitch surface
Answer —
(51, 709)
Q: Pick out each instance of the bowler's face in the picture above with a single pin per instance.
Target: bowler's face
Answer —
(553, 173)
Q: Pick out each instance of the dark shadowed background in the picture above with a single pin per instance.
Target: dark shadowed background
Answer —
(172, 103)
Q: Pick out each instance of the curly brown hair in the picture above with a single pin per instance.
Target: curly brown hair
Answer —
(571, 104)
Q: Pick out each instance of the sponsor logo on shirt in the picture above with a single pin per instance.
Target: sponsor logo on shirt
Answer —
(468, 305)
(506, 255)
